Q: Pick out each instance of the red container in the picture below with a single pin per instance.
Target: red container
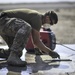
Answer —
(47, 37)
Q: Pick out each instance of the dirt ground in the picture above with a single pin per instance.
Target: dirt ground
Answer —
(65, 29)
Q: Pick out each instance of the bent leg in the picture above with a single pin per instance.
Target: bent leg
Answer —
(21, 37)
(9, 41)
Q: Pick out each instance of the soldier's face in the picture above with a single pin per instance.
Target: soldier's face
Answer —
(48, 20)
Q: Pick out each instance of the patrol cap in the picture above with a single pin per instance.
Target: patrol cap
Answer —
(52, 15)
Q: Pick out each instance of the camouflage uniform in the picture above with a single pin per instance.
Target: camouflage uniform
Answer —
(15, 32)
(15, 28)
(16, 25)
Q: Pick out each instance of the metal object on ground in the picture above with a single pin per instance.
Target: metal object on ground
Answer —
(54, 60)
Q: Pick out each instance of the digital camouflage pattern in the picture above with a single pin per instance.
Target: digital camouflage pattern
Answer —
(18, 31)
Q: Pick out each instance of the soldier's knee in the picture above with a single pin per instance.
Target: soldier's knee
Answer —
(28, 27)
(25, 29)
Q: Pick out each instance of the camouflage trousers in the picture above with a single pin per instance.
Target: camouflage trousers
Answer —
(15, 32)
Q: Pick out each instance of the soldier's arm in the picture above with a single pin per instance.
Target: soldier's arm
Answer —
(38, 42)
(41, 46)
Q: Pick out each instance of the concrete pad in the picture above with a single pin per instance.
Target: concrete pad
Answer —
(42, 65)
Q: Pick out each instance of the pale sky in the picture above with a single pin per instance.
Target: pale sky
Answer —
(18, 1)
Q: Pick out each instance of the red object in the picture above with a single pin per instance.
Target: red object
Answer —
(29, 44)
(46, 37)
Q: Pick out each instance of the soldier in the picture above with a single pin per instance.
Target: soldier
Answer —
(15, 28)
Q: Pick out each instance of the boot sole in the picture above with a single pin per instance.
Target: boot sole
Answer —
(17, 65)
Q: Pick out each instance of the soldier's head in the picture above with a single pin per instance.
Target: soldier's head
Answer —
(50, 18)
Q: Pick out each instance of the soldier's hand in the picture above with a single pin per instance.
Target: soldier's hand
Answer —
(54, 54)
